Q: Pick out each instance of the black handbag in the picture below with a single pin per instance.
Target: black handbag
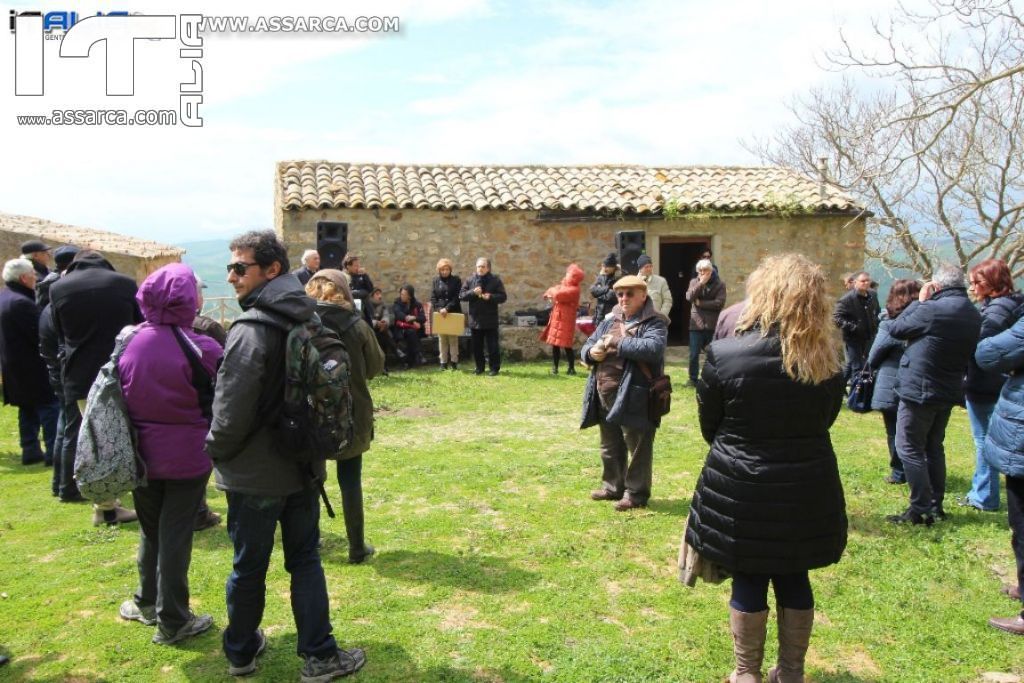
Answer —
(862, 387)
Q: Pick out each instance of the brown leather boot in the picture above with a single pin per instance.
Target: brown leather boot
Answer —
(794, 637)
(748, 633)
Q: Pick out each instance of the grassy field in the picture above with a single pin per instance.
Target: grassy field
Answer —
(494, 565)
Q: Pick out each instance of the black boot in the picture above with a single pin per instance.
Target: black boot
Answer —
(444, 366)
(352, 509)
(571, 360)
(555, 353)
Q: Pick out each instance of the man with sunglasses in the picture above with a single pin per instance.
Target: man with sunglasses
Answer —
(264, 488)
(626, 351)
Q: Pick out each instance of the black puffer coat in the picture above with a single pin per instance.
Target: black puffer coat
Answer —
(769, 499)
(997, 315)
(444, 293)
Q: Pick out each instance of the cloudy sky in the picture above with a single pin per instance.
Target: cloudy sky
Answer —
(462, 81)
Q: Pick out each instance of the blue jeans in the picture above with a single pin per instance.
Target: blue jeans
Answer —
(252, 521)
(30, 419)
(58, 451)
(698, 340)
(984, 491)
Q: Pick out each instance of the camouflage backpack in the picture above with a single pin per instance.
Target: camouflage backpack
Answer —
(316, 417)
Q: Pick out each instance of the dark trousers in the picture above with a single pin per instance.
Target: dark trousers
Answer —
(628, 458)
(895, 464)
(252, 521)
(58, 452)
(488, 338)
(1015, 507)
(387, 344)
(556, 351)
(750, 591)
(409, 341)
(856, 355)
(166, 509)
(72, 423)
(30, 419)
(698, 340)
(920, 433)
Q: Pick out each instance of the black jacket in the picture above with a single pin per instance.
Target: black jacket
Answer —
(857, 317)
(769, 499)
(605, 295)
(26, 383)
(303, 273)
(996, 315)
(91, 304)
(444, 293)
(50, 350)
(250, 393)
(483, 313)
(941, 334)
(43, 289)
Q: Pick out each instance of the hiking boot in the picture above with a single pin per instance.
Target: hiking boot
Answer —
(130, 611)
(341, 663)
(911, 517)
(1014, 625)
(628, 504)
(193, 627)
(604, 494)
(246, 669)
(210, 519)
(119, 515)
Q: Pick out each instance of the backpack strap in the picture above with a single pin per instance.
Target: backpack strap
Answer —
(202, 382)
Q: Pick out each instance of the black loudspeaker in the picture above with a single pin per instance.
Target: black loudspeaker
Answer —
(332, 243)
(630, 244)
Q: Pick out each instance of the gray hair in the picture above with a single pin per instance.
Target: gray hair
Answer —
(948, 275)
(485, 260)
(704, 264)
(16, 267)
(309, 252)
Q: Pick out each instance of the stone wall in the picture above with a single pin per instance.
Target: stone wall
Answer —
(530, 255)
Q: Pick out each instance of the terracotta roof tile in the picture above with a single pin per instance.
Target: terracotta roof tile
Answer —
(626, 189)
(101, 240)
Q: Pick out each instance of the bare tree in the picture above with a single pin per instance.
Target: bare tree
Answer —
(933, 147)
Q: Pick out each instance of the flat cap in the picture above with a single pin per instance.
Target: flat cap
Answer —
(629, 281)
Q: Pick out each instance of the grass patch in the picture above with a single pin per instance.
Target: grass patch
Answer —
(494, 565)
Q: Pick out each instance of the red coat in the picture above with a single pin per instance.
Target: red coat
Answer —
(561, 327)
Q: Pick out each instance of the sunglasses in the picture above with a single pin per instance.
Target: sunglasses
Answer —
(239, 268)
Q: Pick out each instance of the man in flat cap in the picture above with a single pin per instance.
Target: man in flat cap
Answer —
(39, 254)
(625, 352)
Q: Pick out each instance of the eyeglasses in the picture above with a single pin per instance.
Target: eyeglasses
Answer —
(239, 268)
(625, 293)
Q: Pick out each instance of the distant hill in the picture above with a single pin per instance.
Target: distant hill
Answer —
(208, 258)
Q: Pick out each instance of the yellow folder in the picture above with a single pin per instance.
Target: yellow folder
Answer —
(453, 323)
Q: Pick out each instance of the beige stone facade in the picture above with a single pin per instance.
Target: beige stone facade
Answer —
(129, 255)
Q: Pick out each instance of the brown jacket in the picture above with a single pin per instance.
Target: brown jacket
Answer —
(706, 302)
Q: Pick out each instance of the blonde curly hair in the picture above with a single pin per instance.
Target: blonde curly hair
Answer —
(333, 291)
(787, 294)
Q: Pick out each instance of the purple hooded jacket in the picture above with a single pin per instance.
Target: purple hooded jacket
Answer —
(157, 378)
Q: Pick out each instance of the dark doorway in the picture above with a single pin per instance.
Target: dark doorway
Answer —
(677, 258)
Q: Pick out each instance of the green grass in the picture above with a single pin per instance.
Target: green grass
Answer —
(494, 565)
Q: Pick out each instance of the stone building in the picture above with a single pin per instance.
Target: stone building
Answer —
(532, 221)
(129, 255)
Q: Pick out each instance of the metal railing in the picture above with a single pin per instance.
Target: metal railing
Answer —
(223, 309)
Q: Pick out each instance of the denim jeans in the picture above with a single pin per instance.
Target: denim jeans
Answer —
(166, 509)
(984, 491)
(58, 451)
(72, 425)
(30, 419)
(750, 591)
(698, 340)
(856, 355)
(252, 521)
(895, 464)
(920, 433)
